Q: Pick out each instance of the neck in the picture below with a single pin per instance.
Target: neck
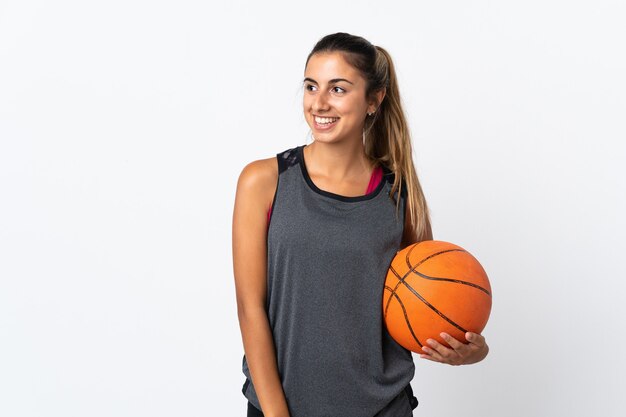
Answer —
(338, 161)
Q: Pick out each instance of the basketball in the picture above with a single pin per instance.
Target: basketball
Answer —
(432, 287)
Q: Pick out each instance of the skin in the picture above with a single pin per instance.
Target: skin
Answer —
(337, 163)
(336, 160)
(341, 151)
(475, 350)
(255, 189)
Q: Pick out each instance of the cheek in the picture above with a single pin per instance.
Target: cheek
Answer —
(346, 108)
(354, 107)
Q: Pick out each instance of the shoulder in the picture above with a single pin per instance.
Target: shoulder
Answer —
(259, 171)
(259, 178)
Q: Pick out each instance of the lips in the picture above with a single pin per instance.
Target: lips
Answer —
(324, 126)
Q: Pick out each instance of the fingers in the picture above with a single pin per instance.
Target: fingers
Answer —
(429, 357)
(441, 353)
(475, 339)
(454, 343)
(459, 352)
(431, 354)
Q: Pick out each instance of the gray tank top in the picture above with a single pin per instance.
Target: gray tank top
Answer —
(327, 260)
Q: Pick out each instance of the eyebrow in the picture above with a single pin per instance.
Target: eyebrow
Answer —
(334, 80)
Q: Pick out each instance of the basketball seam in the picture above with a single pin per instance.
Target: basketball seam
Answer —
(406, 316)
(401, 280)
(418, 295)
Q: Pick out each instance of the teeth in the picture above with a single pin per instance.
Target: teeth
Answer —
(325, 120)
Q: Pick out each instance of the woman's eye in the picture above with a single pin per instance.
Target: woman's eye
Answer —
(310, 87)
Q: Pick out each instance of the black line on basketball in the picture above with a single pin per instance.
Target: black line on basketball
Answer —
(429, 256)
(432, 307)
(410, 268)
(406, 316)
(456, 281)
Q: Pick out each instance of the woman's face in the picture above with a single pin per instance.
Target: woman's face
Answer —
(335, 92)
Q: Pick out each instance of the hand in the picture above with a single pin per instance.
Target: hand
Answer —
(460, 354)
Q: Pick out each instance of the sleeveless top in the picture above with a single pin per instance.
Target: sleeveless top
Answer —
(327, 260)
(377, 175)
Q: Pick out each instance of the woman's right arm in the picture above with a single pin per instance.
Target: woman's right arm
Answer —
(255, 192)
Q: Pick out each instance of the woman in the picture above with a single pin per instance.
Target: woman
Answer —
(311, 250)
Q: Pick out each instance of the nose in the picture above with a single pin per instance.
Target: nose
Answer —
(321, 102)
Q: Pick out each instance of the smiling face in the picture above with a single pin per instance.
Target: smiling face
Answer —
(334, 98)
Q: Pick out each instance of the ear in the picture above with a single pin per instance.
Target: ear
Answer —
(377, 99)
(380, 95)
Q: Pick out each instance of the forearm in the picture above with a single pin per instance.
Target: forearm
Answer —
(261, 358)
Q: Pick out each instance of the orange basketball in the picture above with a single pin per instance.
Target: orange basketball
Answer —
(433, 287)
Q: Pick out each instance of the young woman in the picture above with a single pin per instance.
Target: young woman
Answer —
(314, 231)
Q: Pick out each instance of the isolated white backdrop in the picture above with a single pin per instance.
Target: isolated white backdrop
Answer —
(124, 126)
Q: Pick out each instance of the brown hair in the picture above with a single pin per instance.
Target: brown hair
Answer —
(386, 134)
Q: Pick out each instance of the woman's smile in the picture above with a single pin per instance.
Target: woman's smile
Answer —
(324, 123)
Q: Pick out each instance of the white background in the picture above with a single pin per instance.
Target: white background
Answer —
(124, 126)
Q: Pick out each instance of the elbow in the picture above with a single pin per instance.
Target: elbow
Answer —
(250, 310)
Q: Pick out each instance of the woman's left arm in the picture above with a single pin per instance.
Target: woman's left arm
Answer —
(461, 353)
(475, 350)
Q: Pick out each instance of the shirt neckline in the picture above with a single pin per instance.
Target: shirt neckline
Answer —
(329, 194)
